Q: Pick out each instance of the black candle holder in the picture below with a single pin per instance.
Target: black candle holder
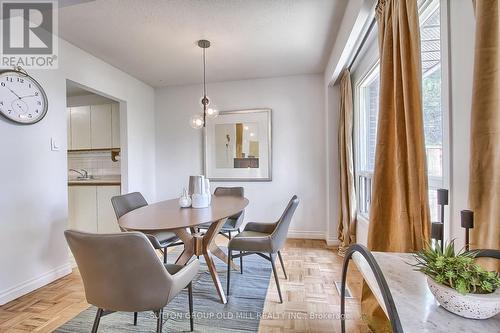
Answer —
(467, 222)
(437, 229)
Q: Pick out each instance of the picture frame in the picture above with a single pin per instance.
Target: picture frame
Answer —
(238, 146)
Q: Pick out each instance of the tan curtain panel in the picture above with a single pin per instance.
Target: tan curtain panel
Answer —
(484, 168)
(347, 200)
(399, 213)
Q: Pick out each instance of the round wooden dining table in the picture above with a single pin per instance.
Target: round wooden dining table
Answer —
(168, 216)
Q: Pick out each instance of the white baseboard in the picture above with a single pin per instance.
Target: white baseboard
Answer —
(300, 234)
(306, 234)
(332, 242)
(72, 261)
(34, 283)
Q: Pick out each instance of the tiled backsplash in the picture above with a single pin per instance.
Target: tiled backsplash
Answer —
(98, 164)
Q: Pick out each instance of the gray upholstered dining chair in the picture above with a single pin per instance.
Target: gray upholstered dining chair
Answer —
(262, 239)
(121, 272)
(233, 223)
(161, 240)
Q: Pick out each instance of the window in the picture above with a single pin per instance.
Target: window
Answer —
(366, 113)
(368, 91)
(430, 45)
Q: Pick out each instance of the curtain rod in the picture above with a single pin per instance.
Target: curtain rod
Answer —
(363, 41)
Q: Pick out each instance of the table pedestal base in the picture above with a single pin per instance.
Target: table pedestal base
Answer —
(204, 244)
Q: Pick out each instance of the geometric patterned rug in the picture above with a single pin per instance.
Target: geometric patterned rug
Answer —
(241, 313)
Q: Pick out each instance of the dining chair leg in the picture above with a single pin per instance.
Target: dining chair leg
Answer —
(229, 258)
(276, 276)
(241, 257)
(191, 312)
(241, 263)
(282, 264)
(164, 255)
(135, 318)
(159, 321)
(97, 320)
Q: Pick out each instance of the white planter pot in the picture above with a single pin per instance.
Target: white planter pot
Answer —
(474, 306)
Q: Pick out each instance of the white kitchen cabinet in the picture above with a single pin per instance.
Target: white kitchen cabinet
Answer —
(106, 218)
(94, 127)
(82, 208)
(68, 126)
(90, 209)
(80, 127)
(100, 126)
(115, 125)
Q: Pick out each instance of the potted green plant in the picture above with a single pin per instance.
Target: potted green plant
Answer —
(458, 283)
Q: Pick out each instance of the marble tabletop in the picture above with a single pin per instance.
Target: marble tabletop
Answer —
(417, 308)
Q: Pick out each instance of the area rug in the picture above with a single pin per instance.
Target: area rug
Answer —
(241, 313)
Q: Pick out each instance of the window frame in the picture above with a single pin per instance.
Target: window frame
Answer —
(360, 152)
(363, 176)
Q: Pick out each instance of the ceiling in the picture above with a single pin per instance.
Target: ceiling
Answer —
(156, 40)
(73, 90)
(76, 90)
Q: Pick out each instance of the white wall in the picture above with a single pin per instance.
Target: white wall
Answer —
(355, 22)
(332, 98)
(91, 99)
(33, 192)
(298, 145)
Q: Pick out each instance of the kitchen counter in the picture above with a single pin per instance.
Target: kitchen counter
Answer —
(97, 181)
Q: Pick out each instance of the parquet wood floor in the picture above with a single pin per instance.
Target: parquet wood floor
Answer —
(311, 301)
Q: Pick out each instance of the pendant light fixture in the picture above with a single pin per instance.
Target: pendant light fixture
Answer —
(199, 120)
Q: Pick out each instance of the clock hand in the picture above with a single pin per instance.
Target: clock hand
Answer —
(13, 92)
(27, 96)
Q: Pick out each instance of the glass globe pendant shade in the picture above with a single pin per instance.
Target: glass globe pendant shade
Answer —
(212, 112)
(196, 121)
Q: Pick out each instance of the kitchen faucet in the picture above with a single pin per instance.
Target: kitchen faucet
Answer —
(83, 173)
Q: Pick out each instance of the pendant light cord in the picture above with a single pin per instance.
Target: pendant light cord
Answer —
(204, 89)
(204, 75)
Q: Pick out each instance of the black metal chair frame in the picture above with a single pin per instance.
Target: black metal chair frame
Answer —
(382, 283)
(487, 253)
(260, 254)
(164, 250)
(159, 315)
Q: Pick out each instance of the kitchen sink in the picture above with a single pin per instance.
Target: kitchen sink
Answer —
(85, 178)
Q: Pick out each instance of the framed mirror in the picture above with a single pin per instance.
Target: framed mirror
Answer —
(238, 146)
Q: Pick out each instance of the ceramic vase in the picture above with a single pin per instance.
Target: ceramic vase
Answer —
(473, 306)
(207, 191)
(199, 199)
(185, 200)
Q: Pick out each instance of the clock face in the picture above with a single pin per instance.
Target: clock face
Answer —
(22, 99)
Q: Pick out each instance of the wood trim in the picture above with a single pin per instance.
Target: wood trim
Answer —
(96, 183)
(92, 149)
(239, 140)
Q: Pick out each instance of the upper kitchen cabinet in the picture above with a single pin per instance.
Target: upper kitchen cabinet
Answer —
(80, 127)
(115, 125)
(94, 127)
(100, 126)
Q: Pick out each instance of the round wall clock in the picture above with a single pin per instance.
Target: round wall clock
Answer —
(22, 98)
